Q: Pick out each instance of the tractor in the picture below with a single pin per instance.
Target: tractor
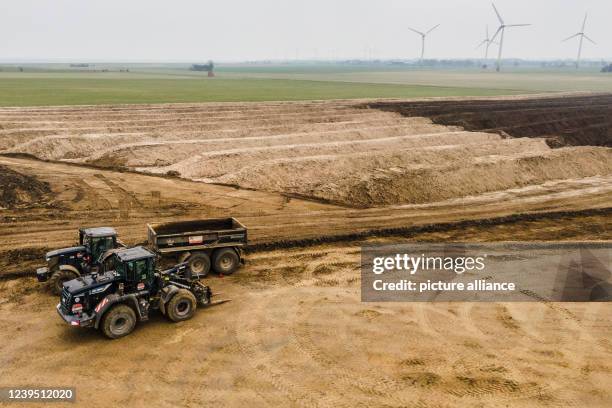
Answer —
(95, 244)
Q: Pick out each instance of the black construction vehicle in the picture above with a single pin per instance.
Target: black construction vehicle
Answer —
(68, 263)
(205, 245)
(125, 291)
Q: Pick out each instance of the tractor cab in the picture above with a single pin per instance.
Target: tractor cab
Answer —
(98, 240)
(65, 264)
(135, 266)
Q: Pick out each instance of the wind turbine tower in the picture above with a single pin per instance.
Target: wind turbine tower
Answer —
(582, 36)
(487, 43)
(501, 30)
(423, 36)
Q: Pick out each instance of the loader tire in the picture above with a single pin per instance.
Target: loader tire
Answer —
(199, 264)
(182, 306)
(56, 282)
(118, 322)
(225, 261)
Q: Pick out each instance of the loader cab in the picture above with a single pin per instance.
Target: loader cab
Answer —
(135, 266)
(98, 240)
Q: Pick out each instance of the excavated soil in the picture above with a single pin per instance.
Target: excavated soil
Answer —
(392, 153)
(562, 121)
(19, 190)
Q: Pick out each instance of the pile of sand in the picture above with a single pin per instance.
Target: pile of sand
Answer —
(423, 175)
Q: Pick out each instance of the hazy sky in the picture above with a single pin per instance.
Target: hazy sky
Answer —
(233, 30)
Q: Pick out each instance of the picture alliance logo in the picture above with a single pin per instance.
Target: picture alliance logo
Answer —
(414, 264)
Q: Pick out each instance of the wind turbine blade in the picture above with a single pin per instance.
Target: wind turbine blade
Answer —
(481, 44)
(518, 25)
(496, 33)
(570, 37)
(501, 20)
(584, 22)
(416, 31)
(585, 36)
(433, 28)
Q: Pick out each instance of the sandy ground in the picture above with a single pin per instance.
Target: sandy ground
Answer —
(296, 332)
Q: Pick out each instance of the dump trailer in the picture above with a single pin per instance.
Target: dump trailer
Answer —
(204, 245)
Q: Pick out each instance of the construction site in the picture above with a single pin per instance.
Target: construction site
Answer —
(313, 182)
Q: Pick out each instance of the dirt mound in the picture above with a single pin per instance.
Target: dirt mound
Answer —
(392, 153)
(417, 176)
(22, 261)
(20, 190)
(462, 179)
(564, 121)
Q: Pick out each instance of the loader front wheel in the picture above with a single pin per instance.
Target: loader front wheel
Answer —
(118, 322)
(182, 306)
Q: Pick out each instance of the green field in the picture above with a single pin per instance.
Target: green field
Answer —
(83, 91)
(526, 81)
(42, 85)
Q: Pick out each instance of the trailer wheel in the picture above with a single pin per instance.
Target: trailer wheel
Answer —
(602, 292)
(225, 261)
(182, 306)
(183, 257)
(199, 264)
(56, 282)
(118, 322)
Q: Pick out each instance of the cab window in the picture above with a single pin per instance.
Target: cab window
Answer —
(100, 245)
(137, 270)
(117, 265)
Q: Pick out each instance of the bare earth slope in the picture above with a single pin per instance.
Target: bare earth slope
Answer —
(334, 151)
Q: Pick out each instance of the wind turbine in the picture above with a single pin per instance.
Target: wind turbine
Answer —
(423, 35)
(582, 36)
(487, 43)
(502, 30)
